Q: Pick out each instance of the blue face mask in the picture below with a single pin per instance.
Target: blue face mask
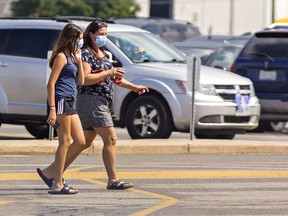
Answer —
(80, 44)
(100, 40)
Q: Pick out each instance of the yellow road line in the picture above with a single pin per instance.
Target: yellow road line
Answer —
(190, 174)
(3, 202)
(166, 200)
(157, 175)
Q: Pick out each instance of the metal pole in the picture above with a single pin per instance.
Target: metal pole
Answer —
(51, 132)
(193, 89)
(231, 23)
(273, 11)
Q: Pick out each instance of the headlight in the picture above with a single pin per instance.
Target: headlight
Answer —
(207, 89)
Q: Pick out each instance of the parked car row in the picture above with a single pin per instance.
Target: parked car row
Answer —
(261, 57)
(221, 51)
(169, 29)
(225, 102)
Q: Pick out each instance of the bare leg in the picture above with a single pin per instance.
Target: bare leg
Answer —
(61, 152)
(109, 138)
(74, 149)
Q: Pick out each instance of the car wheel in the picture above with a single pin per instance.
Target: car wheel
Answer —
(214, 136)
(278, 126)
(39, 131)
(149, 117)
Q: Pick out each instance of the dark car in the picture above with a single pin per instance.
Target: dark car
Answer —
(264, 59)
(169, 29)
(223, 57)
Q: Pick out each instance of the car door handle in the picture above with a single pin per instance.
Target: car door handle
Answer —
(3, 64)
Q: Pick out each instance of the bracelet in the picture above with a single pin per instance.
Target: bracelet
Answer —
(52, 106)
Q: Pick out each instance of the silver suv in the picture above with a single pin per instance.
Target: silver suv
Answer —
(225, 103)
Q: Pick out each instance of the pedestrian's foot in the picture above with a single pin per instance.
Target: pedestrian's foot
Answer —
(49, 182)
(119, 185)
(64, 190)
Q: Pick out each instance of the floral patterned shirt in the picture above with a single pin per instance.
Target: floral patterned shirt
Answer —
(103, 88)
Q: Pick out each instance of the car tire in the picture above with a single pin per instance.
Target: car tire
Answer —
(39, 131)
(149, 117)
(278, 126)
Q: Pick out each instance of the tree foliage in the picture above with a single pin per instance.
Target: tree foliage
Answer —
(95, 8)
(114, 8)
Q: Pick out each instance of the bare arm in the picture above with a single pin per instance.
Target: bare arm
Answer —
(140, 89)
(80, 75)
(93, 78)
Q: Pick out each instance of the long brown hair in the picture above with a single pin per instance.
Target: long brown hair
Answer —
(93, 27)
(66, 41)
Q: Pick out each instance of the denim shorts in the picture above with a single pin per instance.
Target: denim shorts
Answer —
(64, 106)
(94, 111)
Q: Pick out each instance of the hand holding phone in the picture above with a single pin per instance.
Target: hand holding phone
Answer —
(56, 125)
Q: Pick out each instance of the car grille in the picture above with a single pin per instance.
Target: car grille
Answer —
(219, 119)
(229, 92)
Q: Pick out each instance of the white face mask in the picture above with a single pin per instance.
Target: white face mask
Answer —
(100, 40)
(80, 44)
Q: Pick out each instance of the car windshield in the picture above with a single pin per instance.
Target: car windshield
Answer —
(267, 47)
(145, 47)
(224, 57)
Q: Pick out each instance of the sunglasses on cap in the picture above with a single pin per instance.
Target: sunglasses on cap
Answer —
(100, 23)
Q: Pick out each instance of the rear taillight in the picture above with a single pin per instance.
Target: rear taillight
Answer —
(232, 68)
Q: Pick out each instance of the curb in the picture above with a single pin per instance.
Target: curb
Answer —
(151, 146)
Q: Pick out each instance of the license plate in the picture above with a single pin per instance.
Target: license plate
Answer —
(267, 75)
(242, 108)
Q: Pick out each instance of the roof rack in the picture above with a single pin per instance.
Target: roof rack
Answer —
(25, 17)
(79, 18)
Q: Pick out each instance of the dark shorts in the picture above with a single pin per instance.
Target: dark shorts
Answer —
(64, 106)
(94, 111)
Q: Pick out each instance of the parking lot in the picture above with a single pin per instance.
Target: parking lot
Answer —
(164, 185)
(231, 183)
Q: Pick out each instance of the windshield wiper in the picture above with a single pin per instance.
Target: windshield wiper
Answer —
(142, 61)
(263, 55)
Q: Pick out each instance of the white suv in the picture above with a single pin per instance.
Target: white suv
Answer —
(147, 60)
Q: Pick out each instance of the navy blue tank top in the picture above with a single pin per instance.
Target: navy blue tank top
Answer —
(66, 84)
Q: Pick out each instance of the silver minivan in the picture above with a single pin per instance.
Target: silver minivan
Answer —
(225, 103)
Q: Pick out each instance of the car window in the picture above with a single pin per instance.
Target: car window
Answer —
(171, 33)
(271, 46)
(31, 42)
(3, 40)
(188, 31)
(153, 28)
